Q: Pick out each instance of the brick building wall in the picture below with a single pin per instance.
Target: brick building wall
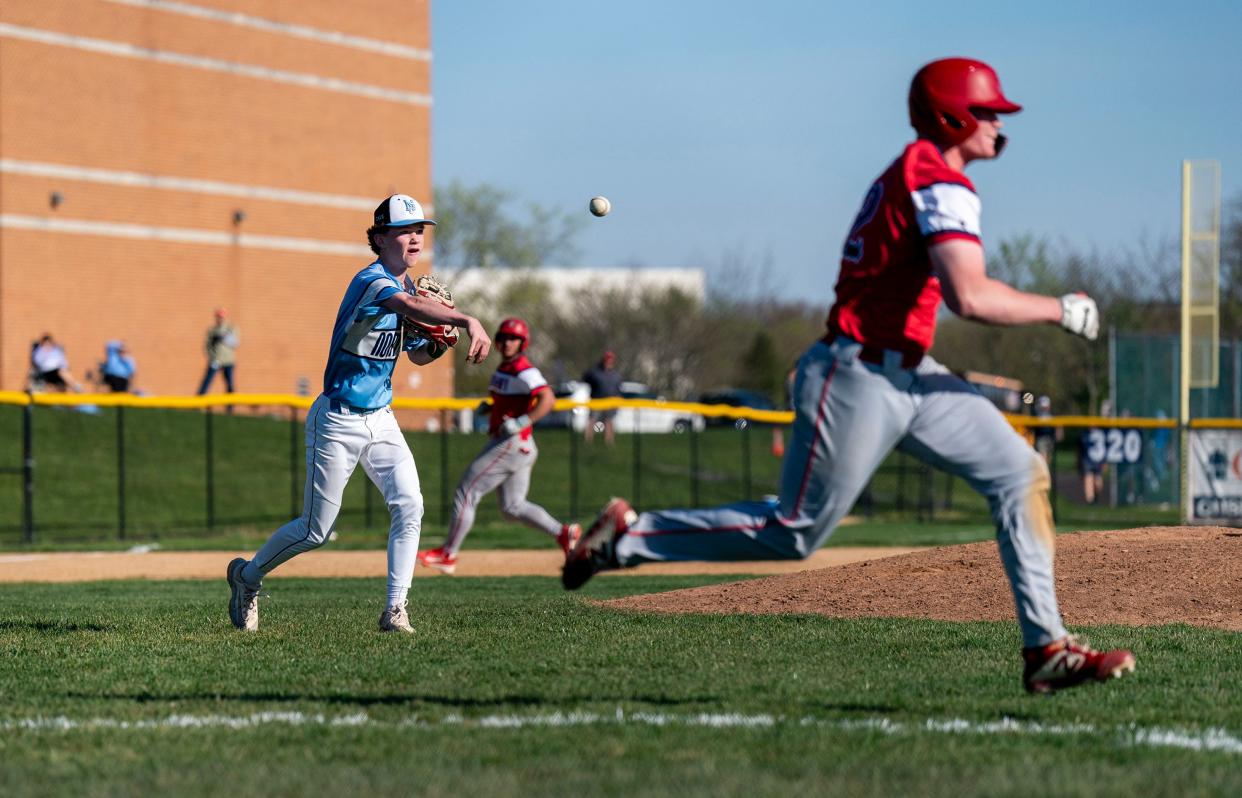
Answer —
(205, 153)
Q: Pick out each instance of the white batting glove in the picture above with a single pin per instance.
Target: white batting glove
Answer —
(512, 426)
(1080, 316)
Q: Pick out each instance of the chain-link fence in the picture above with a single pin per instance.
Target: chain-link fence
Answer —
(1145, 373)
(88, 473)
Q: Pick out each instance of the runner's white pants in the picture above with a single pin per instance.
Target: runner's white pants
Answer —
(849, 415)
(336, 443)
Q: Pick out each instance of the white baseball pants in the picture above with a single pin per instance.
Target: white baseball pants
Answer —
(336, 443)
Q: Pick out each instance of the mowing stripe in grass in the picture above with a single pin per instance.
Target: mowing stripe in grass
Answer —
(1211, 739)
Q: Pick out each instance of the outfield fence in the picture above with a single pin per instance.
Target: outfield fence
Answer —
(81, 467)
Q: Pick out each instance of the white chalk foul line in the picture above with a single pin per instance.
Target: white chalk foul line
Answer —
(1131, 736)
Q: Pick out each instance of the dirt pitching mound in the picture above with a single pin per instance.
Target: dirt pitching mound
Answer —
(1136, 577)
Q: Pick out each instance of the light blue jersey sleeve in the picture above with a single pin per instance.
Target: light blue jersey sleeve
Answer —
(366, 342)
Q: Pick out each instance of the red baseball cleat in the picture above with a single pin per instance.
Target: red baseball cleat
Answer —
(1069, 662)
(569, 537)
(596, 551)
(437, 559)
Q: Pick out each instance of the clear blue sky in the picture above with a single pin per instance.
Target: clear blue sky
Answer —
(739, 130)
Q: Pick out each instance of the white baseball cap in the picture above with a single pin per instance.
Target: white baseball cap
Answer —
(400, 210)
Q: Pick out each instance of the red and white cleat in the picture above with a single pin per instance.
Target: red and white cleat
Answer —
(596, 551)
(1069, 662)
(437, 559)
(569, 537)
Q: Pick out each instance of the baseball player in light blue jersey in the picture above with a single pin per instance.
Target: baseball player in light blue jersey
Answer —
(351, 422)
(869, 386)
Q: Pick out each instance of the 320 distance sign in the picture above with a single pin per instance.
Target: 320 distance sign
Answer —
(1113, 445)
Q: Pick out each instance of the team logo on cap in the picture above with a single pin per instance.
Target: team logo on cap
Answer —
(400, 210)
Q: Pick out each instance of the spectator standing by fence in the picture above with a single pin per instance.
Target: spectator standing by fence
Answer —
(605, 383)
(1045, 437)
(1091, 455)
(778, 432)
(1159, 456)
(222, 342)
(1090, 467)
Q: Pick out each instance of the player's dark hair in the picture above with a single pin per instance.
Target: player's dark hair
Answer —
(371, 231)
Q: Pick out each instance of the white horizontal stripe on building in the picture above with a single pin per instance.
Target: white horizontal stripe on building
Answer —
(284, 28)
(189, 184)
(125, 50)
(184, 235)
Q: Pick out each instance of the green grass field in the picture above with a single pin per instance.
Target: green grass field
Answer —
(513, 687)
(258, 463)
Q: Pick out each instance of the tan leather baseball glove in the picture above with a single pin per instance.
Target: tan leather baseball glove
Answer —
(441, 336)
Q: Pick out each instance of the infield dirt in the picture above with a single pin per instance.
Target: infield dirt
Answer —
(1144, 576)
(139, 564)
(1149, 576)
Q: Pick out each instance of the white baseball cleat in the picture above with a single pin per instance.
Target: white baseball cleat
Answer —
(243, 599)
(396, 619)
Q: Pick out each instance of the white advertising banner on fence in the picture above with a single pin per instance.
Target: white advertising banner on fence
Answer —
(1216, 476)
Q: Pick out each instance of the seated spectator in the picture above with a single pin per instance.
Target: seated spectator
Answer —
(117, 370)
(49, 367)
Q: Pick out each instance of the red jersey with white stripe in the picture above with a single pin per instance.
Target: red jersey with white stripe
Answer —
(887, 293)
(514, 389)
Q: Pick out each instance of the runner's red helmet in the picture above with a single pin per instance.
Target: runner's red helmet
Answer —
(943, 93)
(517, 328)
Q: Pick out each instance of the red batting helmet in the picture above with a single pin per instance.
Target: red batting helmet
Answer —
(516, 328)
(943, 93)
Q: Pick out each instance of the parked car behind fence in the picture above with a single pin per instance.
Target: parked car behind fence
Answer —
(628, 419)
(735, 397)
(650, 419)
(577, 417)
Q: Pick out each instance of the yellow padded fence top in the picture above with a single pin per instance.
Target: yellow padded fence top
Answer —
(303, 402)
(711, 411)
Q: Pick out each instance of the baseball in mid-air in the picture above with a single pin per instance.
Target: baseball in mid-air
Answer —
(600, 206)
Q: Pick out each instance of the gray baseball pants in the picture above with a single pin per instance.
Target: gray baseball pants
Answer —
(849, 415)
(504, 466)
